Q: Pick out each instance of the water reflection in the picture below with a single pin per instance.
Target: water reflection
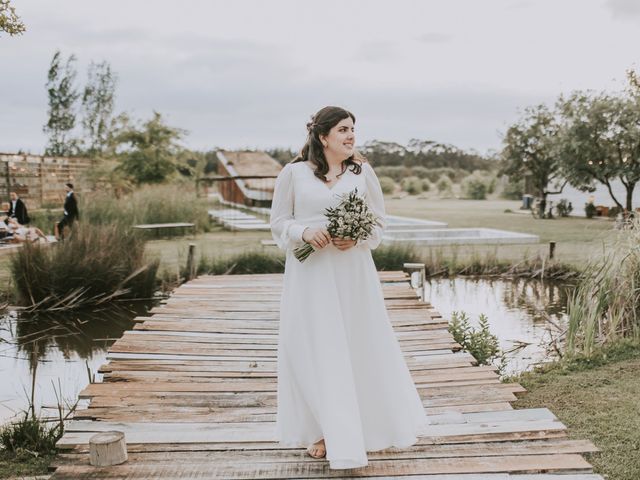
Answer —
(540, 300)
(524, 314)
(79, 334)
(59, 349)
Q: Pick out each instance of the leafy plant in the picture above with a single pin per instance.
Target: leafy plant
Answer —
(480, 342)
(564, 207)
(589, 209)
(30, 434)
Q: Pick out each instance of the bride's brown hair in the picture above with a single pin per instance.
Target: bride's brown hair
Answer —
(321, 123)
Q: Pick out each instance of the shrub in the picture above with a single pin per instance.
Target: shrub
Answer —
(480, 343)
(412, 185)
(30, 434)
(513, 190)
(394, 255)
(387, 184)
(426, 185)
(564, 207)
(478, 185)
(444, 185)
(93, 265)
(589, 209)
(474, 188)
(614, 211)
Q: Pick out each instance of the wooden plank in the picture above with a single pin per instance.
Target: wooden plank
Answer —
(194, 388)
(320, 469)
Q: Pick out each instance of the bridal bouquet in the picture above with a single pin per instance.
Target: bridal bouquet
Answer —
(351, 219)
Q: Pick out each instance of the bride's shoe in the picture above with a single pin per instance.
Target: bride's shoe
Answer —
(318, 446)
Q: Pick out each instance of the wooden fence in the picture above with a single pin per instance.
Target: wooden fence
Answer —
(39, 180)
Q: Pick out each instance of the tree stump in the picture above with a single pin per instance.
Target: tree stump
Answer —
(107, 448)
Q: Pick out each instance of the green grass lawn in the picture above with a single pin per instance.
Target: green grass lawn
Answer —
(599, 403)
(576, 238)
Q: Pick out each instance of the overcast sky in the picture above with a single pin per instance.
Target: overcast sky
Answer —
(249, 73)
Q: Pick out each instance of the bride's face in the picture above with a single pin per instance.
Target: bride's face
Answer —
(341, 139)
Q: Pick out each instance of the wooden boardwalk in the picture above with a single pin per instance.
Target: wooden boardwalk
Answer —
(193, 387)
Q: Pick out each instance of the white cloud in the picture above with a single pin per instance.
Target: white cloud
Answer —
(250, 73)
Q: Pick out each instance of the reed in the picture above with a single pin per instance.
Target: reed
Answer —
(605, 307)
(92, 267)
(149, 204)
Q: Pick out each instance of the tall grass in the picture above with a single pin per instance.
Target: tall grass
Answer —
(149, 204)
(441, 263)
(605, 306)
(386, 257)
(94, 265)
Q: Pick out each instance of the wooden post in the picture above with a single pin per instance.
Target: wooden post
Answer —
(420, 270)
(191, 263)
(107, 448)
(552, 250)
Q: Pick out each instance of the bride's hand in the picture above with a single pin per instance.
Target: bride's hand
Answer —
(317, 237)
(343, 243)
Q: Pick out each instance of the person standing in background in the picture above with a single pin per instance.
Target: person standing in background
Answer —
(71, 213)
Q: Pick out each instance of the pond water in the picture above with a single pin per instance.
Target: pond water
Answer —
(62, 350)
(523, 314)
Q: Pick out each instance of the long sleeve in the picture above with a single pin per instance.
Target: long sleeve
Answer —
(285, 230)
(375, 201)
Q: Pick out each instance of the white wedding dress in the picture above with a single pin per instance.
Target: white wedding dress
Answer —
(341, 373)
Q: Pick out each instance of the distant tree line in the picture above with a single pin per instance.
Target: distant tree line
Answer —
(418, 153)
(585, 139)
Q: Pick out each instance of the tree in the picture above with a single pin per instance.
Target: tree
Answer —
(10, 22)
(531, 148)
(152, 150)
(601, 140)
(62, 98)
(97, 108)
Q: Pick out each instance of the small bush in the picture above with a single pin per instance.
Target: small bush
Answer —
(94, 264)
(513, 190)
(387, 184)
(614, 211)
(30, 434)
(412, 185)
(394, 256)
(589, 210)
(478, 185)
(444, 185)
(564, 207)
(474, 188)
(426, 185)
(480, 343)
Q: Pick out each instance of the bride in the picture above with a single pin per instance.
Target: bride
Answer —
(344, 388)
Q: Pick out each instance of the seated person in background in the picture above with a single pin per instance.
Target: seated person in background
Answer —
(18, 210)
(4, 211)
(23, 234)
(5, 232)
